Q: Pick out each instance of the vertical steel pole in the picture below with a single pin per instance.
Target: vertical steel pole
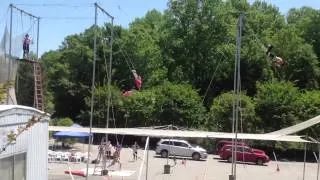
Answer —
(92, 87)
(238, 93)
(236, 100)
(38, 31)
(10, 56)
(318, 161)
(147, 161)
(304, 160)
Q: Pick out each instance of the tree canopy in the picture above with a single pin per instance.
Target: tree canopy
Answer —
(185, 56)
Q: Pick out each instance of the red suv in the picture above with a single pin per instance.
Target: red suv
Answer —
(222, 143)
(245, 154)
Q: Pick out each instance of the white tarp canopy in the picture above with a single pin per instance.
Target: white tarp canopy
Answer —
(297, 127)
(178, 133)
(280, 135)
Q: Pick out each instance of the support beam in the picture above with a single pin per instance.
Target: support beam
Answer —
(104, 11)
(24, 12)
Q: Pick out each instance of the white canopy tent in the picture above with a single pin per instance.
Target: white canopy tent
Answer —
(280, 135)
(179, 133)
(297, 127)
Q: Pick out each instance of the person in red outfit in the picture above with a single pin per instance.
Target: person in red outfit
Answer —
(137, 80)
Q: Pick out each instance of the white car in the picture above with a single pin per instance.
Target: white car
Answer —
(174, 147)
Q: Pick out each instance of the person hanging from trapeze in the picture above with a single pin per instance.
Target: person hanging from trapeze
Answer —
(137, 84)
(276, 61)
(26, 44)
(137, 80)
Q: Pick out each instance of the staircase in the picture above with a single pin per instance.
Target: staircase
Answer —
(38, 87)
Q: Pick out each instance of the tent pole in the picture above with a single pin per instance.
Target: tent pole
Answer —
(304, 160)
(318, 161)
(143, 160)
(147, 161)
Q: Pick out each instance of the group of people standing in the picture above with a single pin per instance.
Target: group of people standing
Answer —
(106, 147)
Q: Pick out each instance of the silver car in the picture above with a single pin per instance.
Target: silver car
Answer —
(175, 147)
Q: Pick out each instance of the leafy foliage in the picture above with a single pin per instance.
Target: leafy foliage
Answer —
(185, 56)
(275, 104)
(221, 114)
(62, 122)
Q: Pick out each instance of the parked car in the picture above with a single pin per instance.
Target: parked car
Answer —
(245, 154)
(175, 147)
(221, 143)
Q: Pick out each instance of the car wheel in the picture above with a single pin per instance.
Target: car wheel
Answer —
(196, 156)
(164, 153)
(259, 161)
(229, 159)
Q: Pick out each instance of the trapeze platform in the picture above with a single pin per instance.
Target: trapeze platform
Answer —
(27, 60)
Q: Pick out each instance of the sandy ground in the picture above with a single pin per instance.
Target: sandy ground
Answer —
(212, 169)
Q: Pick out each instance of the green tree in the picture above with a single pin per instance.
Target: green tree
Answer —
(275, 104)
(197, 38)
(179, 104)
(100, 107)
(307, 20)
(307, 107)
(62, 122)
(303, 68)
(221, 114)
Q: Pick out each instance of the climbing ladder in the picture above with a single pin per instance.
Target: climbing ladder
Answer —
(38, 87)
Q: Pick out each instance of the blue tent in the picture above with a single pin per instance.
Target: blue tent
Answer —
(70, 134)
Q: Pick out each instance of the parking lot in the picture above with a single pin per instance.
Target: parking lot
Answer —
(211, 169)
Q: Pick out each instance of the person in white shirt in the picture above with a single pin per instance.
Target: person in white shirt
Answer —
(108, 149)
(135, 148)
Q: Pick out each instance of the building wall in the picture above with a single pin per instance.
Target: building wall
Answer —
(33, 142)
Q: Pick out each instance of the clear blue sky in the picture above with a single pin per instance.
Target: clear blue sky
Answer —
(53, 29)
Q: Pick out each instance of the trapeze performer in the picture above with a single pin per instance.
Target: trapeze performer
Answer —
(137, 83)
(276, 61)
(26, 43)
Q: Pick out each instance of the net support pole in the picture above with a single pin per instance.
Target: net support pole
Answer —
(236, 99)
(38, 32)
(110, 66)
(304, 161)
(147, 161)
(92, 88)
(318, 162)
(10, 55)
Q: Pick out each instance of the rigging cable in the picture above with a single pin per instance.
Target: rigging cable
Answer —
(214, 73)
(125, 55)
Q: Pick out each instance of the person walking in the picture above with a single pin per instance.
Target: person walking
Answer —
(135, 148)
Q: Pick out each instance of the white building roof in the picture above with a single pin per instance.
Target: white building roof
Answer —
(18, 109)
(10, 107)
